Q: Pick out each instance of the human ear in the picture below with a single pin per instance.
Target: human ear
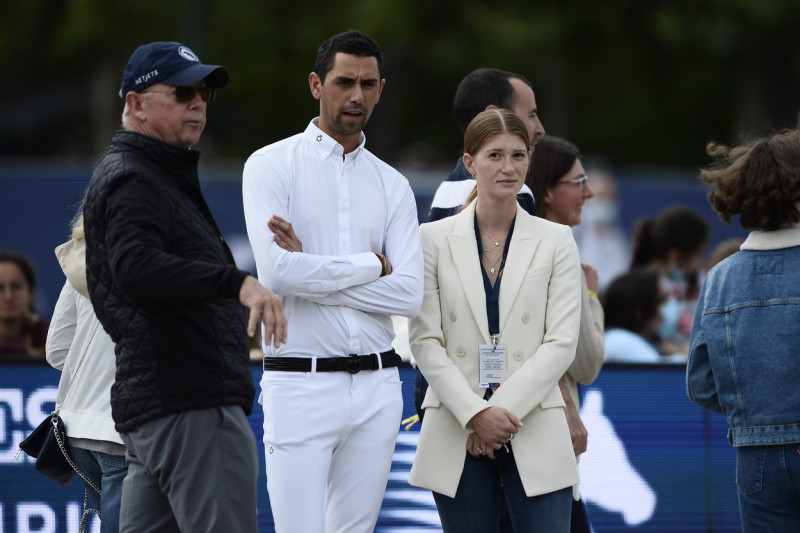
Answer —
(469, 163)
(134, 102)
(548, 196)
(380, 90)
(315, 85)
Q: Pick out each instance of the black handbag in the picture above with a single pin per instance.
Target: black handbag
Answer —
(47, 444)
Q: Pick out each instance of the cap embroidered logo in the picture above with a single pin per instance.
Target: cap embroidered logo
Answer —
(187, 54)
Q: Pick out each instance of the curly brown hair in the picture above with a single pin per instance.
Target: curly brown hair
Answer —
(759, 180)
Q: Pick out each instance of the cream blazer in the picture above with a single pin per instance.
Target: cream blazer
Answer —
(540, 308)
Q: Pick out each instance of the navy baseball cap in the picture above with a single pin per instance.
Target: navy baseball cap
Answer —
(170, 63)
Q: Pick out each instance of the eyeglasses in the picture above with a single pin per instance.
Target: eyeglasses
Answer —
(581, 182)
(186, 93)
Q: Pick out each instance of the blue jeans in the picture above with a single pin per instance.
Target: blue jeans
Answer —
(768, 478)
(489, 486)
(106, 472)
(579, 522)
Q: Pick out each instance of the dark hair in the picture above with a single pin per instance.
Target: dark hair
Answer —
(632, 300)
(675, 227)
(760, 180)
(481, 88)
(26, 267)
(351, 42)
(550, 162)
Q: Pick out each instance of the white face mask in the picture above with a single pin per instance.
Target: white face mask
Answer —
(670, 316)
(600, 211)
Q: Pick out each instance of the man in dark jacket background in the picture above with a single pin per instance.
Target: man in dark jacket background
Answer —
(164, 285)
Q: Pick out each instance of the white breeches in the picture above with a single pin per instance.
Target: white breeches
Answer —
(329, 439)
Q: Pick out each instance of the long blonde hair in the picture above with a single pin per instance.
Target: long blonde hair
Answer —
(77, 227)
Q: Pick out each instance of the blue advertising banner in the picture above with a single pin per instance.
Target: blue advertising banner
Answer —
(656, 462)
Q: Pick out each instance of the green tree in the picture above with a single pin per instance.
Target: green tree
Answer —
(643, 83)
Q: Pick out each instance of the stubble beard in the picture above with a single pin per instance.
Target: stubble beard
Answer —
(349, 128)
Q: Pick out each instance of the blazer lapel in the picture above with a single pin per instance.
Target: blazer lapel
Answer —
(464, 252)
(523, 245)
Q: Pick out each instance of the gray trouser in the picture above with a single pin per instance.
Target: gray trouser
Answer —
(194, 471)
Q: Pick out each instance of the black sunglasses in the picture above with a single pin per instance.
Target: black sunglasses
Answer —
(186, 93)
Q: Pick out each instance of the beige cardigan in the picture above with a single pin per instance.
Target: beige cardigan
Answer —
(590, 353)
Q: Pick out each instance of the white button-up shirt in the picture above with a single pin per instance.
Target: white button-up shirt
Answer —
(344, 209)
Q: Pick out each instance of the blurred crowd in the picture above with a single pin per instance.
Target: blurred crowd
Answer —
(647, 281)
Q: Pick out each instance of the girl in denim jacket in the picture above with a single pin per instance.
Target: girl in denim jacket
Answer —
(745, 341)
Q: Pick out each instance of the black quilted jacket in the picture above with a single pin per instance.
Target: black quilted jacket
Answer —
(164, 285)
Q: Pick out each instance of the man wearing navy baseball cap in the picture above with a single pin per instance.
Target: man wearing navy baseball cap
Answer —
(164, 285)
(175, 71)
(169, 63)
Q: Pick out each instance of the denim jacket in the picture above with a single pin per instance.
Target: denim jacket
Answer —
(744, 354)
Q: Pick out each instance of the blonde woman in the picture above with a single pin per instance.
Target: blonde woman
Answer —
(79, 347)
(498, 328)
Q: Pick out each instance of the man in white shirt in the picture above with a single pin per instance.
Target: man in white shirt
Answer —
(334, 232)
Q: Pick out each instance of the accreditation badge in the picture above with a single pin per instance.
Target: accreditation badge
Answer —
(492, 361)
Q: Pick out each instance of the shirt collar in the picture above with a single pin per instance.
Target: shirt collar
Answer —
(772, 240)
(327, 145)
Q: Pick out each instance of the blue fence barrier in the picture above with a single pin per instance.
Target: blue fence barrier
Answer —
(656, 462)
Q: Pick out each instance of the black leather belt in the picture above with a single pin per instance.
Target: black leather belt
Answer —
(352, 363)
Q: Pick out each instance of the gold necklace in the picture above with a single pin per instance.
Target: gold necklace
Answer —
(493, 265)
(495, 241)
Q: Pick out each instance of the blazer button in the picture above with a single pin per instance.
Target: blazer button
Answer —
(526, 318)
(452, 317)
(518, 356)
(461, 352)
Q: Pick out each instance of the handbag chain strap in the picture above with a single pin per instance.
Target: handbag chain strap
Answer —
(67, 456)
(54, 420)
